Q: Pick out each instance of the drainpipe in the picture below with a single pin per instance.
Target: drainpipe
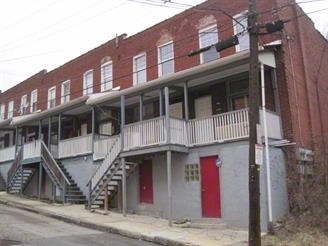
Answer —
(267, 158)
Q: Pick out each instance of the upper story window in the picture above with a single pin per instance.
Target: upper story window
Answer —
(139, 69)
(2, 111)
(207, 37)
(165, 59)
(88, 82)
(34, 100)
(65, 91)
(240, 27)
(106, 76)
(23, 105)
(10, 112)
(52, 97)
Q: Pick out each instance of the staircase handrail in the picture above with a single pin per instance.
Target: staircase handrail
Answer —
(15, 166)
(52, 165)
(106, 160)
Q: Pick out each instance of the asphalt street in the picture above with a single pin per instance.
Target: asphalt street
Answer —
(19, 227)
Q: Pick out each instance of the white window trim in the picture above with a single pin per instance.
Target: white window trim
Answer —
(102, 76)
(23, 104)
(50, 99)
(160, 62)
(2, 111)
(32, 101)
(85, 88)
(235, 31)
(204, 30)
(10, 112)
(135, 82)
(65, 98)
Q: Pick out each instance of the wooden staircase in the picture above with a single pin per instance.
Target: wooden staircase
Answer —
(109, 174)
(20, 179)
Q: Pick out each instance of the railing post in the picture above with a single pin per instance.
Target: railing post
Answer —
(89, 195)
(123, 186)
(40, 181)
(21, 183)
(106, 199)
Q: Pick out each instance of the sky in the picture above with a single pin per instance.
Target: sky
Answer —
(44, 34)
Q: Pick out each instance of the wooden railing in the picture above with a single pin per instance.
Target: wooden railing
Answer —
(53, 167)
(75, 146)
(144, 133)
(110, 157)
(102, 145)
(7, 154)
(15, 166)
(218, 128)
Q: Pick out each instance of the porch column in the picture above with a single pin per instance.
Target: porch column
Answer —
(186, 100)
(40, 130)
(49, 133)
(16, 140)
(93, 126)
(40, 181)
(167, 115)
(59, 128)
(169, 186)
(122, 120)
(141, 107)
(53, 192)
(160, 102)
(123, 187)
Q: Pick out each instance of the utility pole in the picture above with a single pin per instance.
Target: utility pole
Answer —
(254, 231)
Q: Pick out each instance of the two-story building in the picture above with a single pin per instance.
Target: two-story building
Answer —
(142, 126)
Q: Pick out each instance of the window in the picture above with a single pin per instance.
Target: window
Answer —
(2, 111)
(34, 100)
(207, 37)
(165, 59)
(10, 110)
(240, 26)
(23, 105)
(139, 69)
(106, 76)
(191, 172)
(52, 97)
(88, 82)
(65, 91)
(239, 94)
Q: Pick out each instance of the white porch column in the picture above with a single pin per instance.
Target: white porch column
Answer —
(169, 186)
(167, 115)
(123, 187)
(185, 96)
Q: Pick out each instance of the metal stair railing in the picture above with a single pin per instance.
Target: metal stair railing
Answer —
(14, 167)
(102, 170)
(51, 165)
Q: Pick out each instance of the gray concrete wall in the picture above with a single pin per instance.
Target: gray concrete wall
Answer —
(81, 168)
(186, 196)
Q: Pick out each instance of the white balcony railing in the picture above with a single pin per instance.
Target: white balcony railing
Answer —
(102, 146)
(144, 133)
(7, 154)
(178, 131)
(218, 128)
(32, 149)
(75, 146)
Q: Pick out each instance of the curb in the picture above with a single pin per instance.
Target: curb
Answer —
(108, 229)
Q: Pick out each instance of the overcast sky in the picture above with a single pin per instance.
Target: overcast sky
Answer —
(44, 34)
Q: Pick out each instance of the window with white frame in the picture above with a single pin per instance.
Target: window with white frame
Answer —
(107, 76)
(23, 104)
(88, 82)
(240, 27)
(139, 69)
(52, 97)
(34, 100)
(2, 111)
(10, 112)
(165, 59)
(207, 37)
(65, 91)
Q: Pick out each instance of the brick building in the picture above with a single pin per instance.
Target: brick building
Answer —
(140, 120)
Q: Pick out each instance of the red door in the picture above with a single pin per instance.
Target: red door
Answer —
(146, 182)
(210, 187)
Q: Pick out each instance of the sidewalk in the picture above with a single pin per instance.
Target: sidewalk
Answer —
(135, 226)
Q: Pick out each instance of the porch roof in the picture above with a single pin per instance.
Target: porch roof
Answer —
(24, 119)
(5, 123)
(203, 70)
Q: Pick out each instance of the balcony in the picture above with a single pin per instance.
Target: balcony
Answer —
(7, 154)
